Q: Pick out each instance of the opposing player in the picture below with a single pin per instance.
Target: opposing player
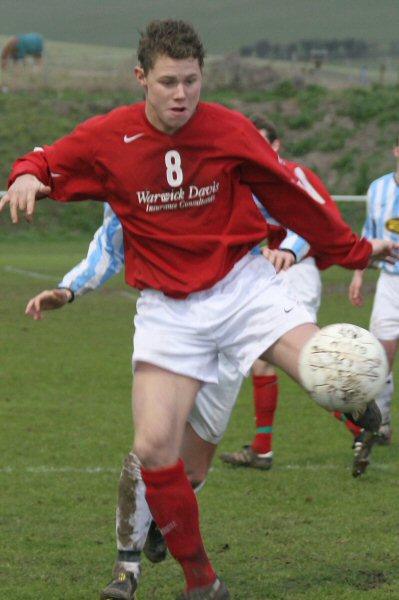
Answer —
(18, 47)
(382, 220)
(180, 175)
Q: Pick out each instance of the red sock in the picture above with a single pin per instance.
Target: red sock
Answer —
(175, 510)
(354, 429)
(265, 400)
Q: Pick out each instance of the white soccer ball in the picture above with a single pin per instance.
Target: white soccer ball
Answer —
(343, 367)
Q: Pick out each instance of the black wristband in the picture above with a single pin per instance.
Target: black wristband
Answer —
(72, 298)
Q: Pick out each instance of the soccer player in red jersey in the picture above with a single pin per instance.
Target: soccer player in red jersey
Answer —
(180, 175)
(293, 258)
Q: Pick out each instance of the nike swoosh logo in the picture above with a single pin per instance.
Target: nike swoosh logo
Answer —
(289, 306)
(128, 139)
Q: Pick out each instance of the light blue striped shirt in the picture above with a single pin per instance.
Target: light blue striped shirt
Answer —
(383, 214)
(105, 258)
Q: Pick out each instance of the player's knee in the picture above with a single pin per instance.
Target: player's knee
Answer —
(262, 368)
(197, 478)
(155, 453)
(196, 474)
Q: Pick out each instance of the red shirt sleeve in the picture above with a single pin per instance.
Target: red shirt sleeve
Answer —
(68, 166)
(297, 199)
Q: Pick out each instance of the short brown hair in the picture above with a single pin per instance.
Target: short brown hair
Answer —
(261, 122)
(176, 39)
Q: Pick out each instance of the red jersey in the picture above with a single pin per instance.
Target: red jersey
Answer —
(277, 233)
(185, 200)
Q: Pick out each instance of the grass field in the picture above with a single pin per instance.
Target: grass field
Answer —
(304, 531)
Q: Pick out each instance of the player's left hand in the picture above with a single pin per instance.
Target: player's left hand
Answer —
(385, 250)
(47, 300)
(356, 288)
(280, 259)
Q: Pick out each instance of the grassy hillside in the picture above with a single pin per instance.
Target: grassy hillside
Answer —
(344, 135)
(225, 25)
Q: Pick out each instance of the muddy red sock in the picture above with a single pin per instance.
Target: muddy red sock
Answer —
(265, 401)
(354, 429)
(175, 510)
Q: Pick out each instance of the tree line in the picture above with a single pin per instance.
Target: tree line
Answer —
(333, 48)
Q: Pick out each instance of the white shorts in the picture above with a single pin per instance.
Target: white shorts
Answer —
(241, 316)
(305, 281)
(214, 403)
(384, 320)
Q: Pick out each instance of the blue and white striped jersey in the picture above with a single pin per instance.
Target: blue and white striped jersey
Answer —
(105, 257)
(292, 241)
(382, 220)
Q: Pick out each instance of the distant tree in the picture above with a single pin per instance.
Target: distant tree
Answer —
(305, 49)
(354, 48)
(292, 50)
(332, 46)
(247, 51)
(262, 48)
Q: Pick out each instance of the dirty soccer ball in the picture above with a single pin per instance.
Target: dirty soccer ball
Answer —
(343, 367)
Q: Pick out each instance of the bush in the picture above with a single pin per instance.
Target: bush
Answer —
(303, 146)
(363, 178)
(362, 105)
(301, 121)
(334, 140)
(345, 163)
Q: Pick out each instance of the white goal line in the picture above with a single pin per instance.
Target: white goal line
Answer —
(98, 470)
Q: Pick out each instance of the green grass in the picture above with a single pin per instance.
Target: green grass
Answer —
(306, 530)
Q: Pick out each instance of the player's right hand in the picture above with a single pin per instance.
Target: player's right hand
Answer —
(386, 250)
(280, 259)
(22, 195)
(47, 300)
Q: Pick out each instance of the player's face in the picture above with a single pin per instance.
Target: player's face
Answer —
(275, 144)
(172, 88)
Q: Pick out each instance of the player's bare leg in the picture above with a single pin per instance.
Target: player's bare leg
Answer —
(162, 402)
(285, 354)
(197, 455)
(286, 351)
